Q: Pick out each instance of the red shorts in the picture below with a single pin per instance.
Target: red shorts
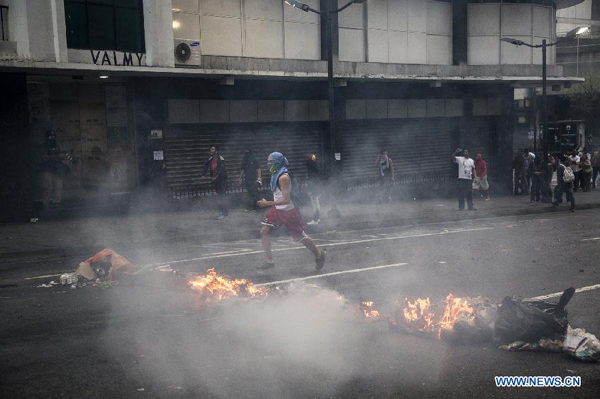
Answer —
(290, 219)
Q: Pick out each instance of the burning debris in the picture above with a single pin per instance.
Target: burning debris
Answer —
(212, 285)
(368, 310)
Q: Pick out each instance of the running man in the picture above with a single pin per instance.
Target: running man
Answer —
(283, 212)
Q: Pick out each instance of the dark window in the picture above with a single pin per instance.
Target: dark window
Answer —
(105, 25)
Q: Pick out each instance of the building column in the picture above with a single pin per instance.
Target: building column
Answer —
(459, 32)
(158, 28)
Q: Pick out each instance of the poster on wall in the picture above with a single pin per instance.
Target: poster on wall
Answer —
(116, 113)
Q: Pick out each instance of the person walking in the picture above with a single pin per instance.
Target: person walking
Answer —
(550, 166)
(482, 179)
(575, 159)
(565, 178)
(586, 174)
(251, 178)
(283, 212)
(314, 188)
(466, 174)
(53, 170)
(215, 170)
(386, 175)
(519, 168)
(537, 180)
(529, 159)
(596, 168)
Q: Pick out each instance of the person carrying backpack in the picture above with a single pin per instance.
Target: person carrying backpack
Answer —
(284, 212)
(565, 178)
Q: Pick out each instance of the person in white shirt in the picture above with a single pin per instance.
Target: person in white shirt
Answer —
(466, 174)
(529, 160)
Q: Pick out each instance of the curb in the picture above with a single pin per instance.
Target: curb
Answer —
(88, 250)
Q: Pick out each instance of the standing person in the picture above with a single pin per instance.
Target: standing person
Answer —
(386, 175)
(482, 179)
(466, 173)
(313, 188)
(547, 189)
(519, 167)
(283, 212)
(251, 178)
(596, 166)
(529, 159)
(216, 171)
(575, 159)
(564, 179)
(586, 174)
(537, 180)
(53, 171)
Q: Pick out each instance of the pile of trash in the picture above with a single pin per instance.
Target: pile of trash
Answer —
(101, 270)
(515, 325)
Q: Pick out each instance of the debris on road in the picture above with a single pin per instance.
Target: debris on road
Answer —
(69, 278)
(584, 346)
(530, 321)
(543, 345)
(105, 265)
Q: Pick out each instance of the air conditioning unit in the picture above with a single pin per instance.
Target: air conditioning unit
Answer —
(187, 53)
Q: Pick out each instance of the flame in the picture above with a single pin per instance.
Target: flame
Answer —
(222, 287)
(369, 312)
(419, 315)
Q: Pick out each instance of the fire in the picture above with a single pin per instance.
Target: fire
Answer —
(369, 312)
(420, 315)
(222, 287)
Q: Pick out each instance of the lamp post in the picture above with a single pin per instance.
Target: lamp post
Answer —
(333, 136)
(544, 46)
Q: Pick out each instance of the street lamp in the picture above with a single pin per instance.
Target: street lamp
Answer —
(334, 212)
(570, 35)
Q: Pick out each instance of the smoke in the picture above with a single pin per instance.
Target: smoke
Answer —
(306, 341)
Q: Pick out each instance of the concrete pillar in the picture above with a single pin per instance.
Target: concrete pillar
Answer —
(17, 26)
(59, 30)
(459, 32)
(158, 27)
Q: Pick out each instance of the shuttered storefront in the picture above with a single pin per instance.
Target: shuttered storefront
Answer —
(420, 149)
(187, 147)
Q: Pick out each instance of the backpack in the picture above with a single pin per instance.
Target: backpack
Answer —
(568, 175)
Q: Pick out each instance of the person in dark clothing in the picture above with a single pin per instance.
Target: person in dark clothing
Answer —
(53, 170)
(564, 186)
(519, 167)
(215, 170)
(537, 180)
(314, 188)
(547, 189)
(585, 175)
(386, 175)
(596, 166)
(251, 178)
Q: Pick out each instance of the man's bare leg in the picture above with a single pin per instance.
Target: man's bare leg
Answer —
(310, 244)
(265, 240)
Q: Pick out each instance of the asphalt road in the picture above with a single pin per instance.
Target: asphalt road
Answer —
(153, 337)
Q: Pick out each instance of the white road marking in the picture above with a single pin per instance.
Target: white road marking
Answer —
(366, 269)
(558, 294)
(46, 276)
(334, 244)
(592, 239)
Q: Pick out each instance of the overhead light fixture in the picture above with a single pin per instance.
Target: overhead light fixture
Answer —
(510, 40)
(298, 5)
(104, 76)
(573, 33)
(176, 24)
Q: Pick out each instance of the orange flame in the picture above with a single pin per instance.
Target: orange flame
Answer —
(222, 287)
(419, 315)
(369, 312)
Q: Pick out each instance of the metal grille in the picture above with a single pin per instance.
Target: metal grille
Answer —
(420, 149)
(187, 146)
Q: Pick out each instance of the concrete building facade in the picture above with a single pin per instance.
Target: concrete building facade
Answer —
(136, 90)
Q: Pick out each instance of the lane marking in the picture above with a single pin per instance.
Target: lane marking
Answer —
(558, 294)
(592, 239)
(366, 269)
(46, 276)
(334, 244)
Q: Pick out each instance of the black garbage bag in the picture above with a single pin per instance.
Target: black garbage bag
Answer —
(530, 321)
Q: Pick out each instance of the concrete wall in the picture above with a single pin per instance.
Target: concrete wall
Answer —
(396, 31)
(572, 17)
(249, 28)
(488, 22)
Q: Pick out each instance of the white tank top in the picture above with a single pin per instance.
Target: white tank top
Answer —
(278, 195)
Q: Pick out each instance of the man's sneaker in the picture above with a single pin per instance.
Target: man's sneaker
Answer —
(487, 199)
(266, 266)
(320, 261)
(314, 222)
(220, 216)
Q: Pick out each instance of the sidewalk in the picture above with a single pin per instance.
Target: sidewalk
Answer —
(49, 239)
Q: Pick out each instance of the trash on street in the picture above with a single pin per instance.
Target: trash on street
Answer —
(584, 346)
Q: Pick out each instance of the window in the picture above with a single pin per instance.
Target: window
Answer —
(105, 25)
